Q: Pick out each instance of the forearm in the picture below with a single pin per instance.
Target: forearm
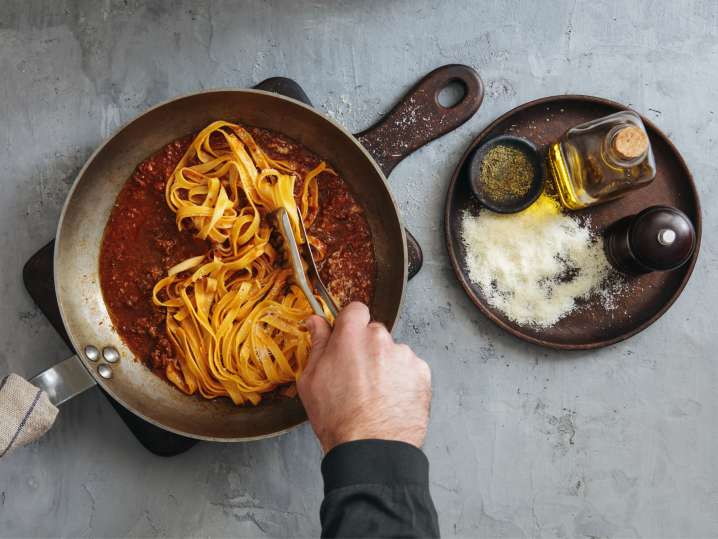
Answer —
(377, 488)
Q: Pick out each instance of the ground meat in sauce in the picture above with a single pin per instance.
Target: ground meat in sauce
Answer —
(142, 242)
(349, 268)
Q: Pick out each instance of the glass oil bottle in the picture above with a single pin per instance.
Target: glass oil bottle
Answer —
(601, 160)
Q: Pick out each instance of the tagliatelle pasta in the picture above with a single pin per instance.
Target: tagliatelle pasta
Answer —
(233, 316)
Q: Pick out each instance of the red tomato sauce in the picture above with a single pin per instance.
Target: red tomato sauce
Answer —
(142, 241)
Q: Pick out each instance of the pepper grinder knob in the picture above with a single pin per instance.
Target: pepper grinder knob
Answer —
(659, 238)
(666, 236)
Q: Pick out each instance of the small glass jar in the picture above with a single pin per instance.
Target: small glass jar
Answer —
(602, 160)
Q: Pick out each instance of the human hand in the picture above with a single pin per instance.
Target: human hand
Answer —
(360, 384)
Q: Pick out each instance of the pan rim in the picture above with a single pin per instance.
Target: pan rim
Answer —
(78, 178)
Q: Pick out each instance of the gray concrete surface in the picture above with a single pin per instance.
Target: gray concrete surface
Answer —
(523, 442)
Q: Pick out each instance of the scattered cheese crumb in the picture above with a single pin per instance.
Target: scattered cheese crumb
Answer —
(535, 266)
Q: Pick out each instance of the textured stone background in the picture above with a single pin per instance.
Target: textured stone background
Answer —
(523, 442)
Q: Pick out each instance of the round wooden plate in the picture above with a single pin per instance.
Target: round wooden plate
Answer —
(647, 297)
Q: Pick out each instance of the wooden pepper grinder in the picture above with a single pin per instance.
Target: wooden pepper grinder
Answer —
(659, 238)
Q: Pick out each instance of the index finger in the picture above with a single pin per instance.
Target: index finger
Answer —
(356, 314)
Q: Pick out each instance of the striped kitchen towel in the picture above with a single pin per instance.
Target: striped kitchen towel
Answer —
(26, 413)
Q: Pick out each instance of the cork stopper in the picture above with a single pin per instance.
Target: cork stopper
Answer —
(630, 142)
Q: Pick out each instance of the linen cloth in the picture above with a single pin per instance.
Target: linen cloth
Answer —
(26, 413)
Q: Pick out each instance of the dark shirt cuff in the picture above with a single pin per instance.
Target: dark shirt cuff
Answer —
(382, 462)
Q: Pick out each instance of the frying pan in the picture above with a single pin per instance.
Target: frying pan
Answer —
(364, 161)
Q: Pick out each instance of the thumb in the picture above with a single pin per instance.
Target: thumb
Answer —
(320, 332)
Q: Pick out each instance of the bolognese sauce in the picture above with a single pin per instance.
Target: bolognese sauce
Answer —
(142, 241)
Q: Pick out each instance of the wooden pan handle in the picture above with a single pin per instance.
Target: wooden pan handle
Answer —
(419, 118)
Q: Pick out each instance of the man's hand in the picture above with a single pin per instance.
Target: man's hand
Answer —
(360, 384)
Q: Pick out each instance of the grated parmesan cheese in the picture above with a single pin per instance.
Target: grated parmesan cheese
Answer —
(534, 266)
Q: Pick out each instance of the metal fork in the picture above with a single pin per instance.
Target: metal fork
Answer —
(295, 259)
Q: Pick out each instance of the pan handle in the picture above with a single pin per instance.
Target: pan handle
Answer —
(28, 410)
(65, 380)
(419, 118)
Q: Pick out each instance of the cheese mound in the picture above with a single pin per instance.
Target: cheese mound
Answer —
(535, 265)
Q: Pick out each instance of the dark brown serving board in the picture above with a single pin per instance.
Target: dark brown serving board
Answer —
(647, 297)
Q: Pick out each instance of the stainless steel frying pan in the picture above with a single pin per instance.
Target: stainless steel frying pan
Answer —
(363, 160)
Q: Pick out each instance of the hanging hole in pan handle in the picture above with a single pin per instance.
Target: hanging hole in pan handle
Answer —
(452, 94)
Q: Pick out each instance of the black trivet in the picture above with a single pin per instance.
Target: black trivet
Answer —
(38, 277)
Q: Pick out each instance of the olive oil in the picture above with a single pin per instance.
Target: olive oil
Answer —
(601, 160)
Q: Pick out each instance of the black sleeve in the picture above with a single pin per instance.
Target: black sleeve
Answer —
(377, 488)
